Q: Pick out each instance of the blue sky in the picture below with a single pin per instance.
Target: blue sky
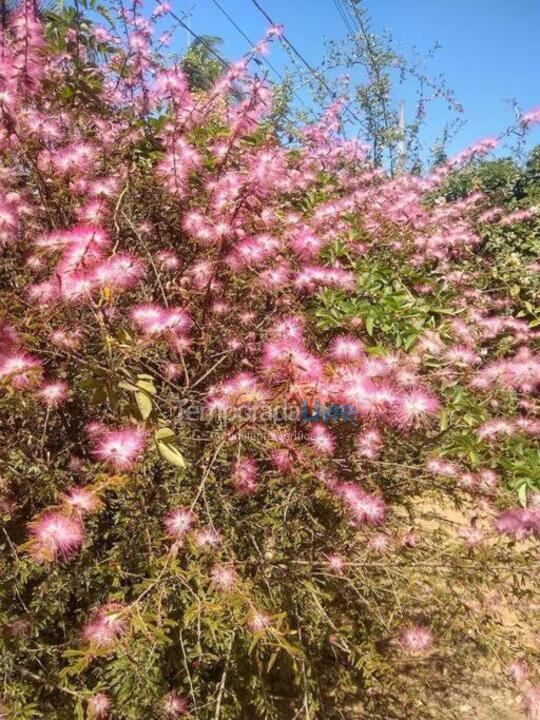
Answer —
(490, 48)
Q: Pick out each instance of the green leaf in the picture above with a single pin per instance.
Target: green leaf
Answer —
(370, 322)
(443, 425)
(522, 494)
(144, 403)
(146, 382)
(143, 389)
(164, 434)
(127, 386)
(171, 454)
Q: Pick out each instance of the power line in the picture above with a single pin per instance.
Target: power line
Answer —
(317, 75)
(344, 16)
(197, 37)
(243, 34)
(286, 40)
(211, 50)
(252, 44)
(352, 12)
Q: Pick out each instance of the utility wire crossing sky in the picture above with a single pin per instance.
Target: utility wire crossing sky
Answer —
(489, 54)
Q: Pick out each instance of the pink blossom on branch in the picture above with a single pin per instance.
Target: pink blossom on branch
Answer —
(55, 536)
(53, 394)
(106, 626)
(19, 369)
(99, 706)
(178, 522)
(120, 448)
(416, 640)
(174, 705)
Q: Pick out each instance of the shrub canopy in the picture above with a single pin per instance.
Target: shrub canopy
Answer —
(268, 414)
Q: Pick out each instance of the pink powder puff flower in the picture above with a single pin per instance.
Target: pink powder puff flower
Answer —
(172, 371)
(174, 705)
(154, 319)
(168, 259)
(119, 272)
(99, 706)
(380, 543)
(95, 428)
(471, 535)
(259, 621)
(487, 482)
(369, 443)
(289, 329)
(223, 578)
(53, 394)
(305, 244)
(179, 343)
(322, 440)
(520, 522)
(207, 538)
(360, 392)
(275, 31)
(161, 9)
(55, 536)
(19, 369)
(106, 626)
(178, 522)
(492, 429)
(346, 348)
(414, 407)
(120, 448)
(92, 212)
(244, 477)
(336, 563)
(69, 339)
(220, 307)
(286, 362)
(241, 390)
(416, 640)
(282, 459)
(530, 118)
(150, 319)
(275, 277)
(8, 337)
(365, 507)
(81, 499)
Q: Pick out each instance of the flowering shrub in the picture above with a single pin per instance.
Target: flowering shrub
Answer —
(163, 250)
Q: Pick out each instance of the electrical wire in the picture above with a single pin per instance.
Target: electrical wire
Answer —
(317, 75)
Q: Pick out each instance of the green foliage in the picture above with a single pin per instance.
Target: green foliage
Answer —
(200, 64)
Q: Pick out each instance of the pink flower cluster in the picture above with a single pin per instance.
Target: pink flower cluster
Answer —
(521, 373)
(55, 536)
(120, 448)
(416, 640)
(364, 507)
(156, 320)
(521, 522)
(83, 266)
(106, 626)
(244, 476)
(484, 482)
